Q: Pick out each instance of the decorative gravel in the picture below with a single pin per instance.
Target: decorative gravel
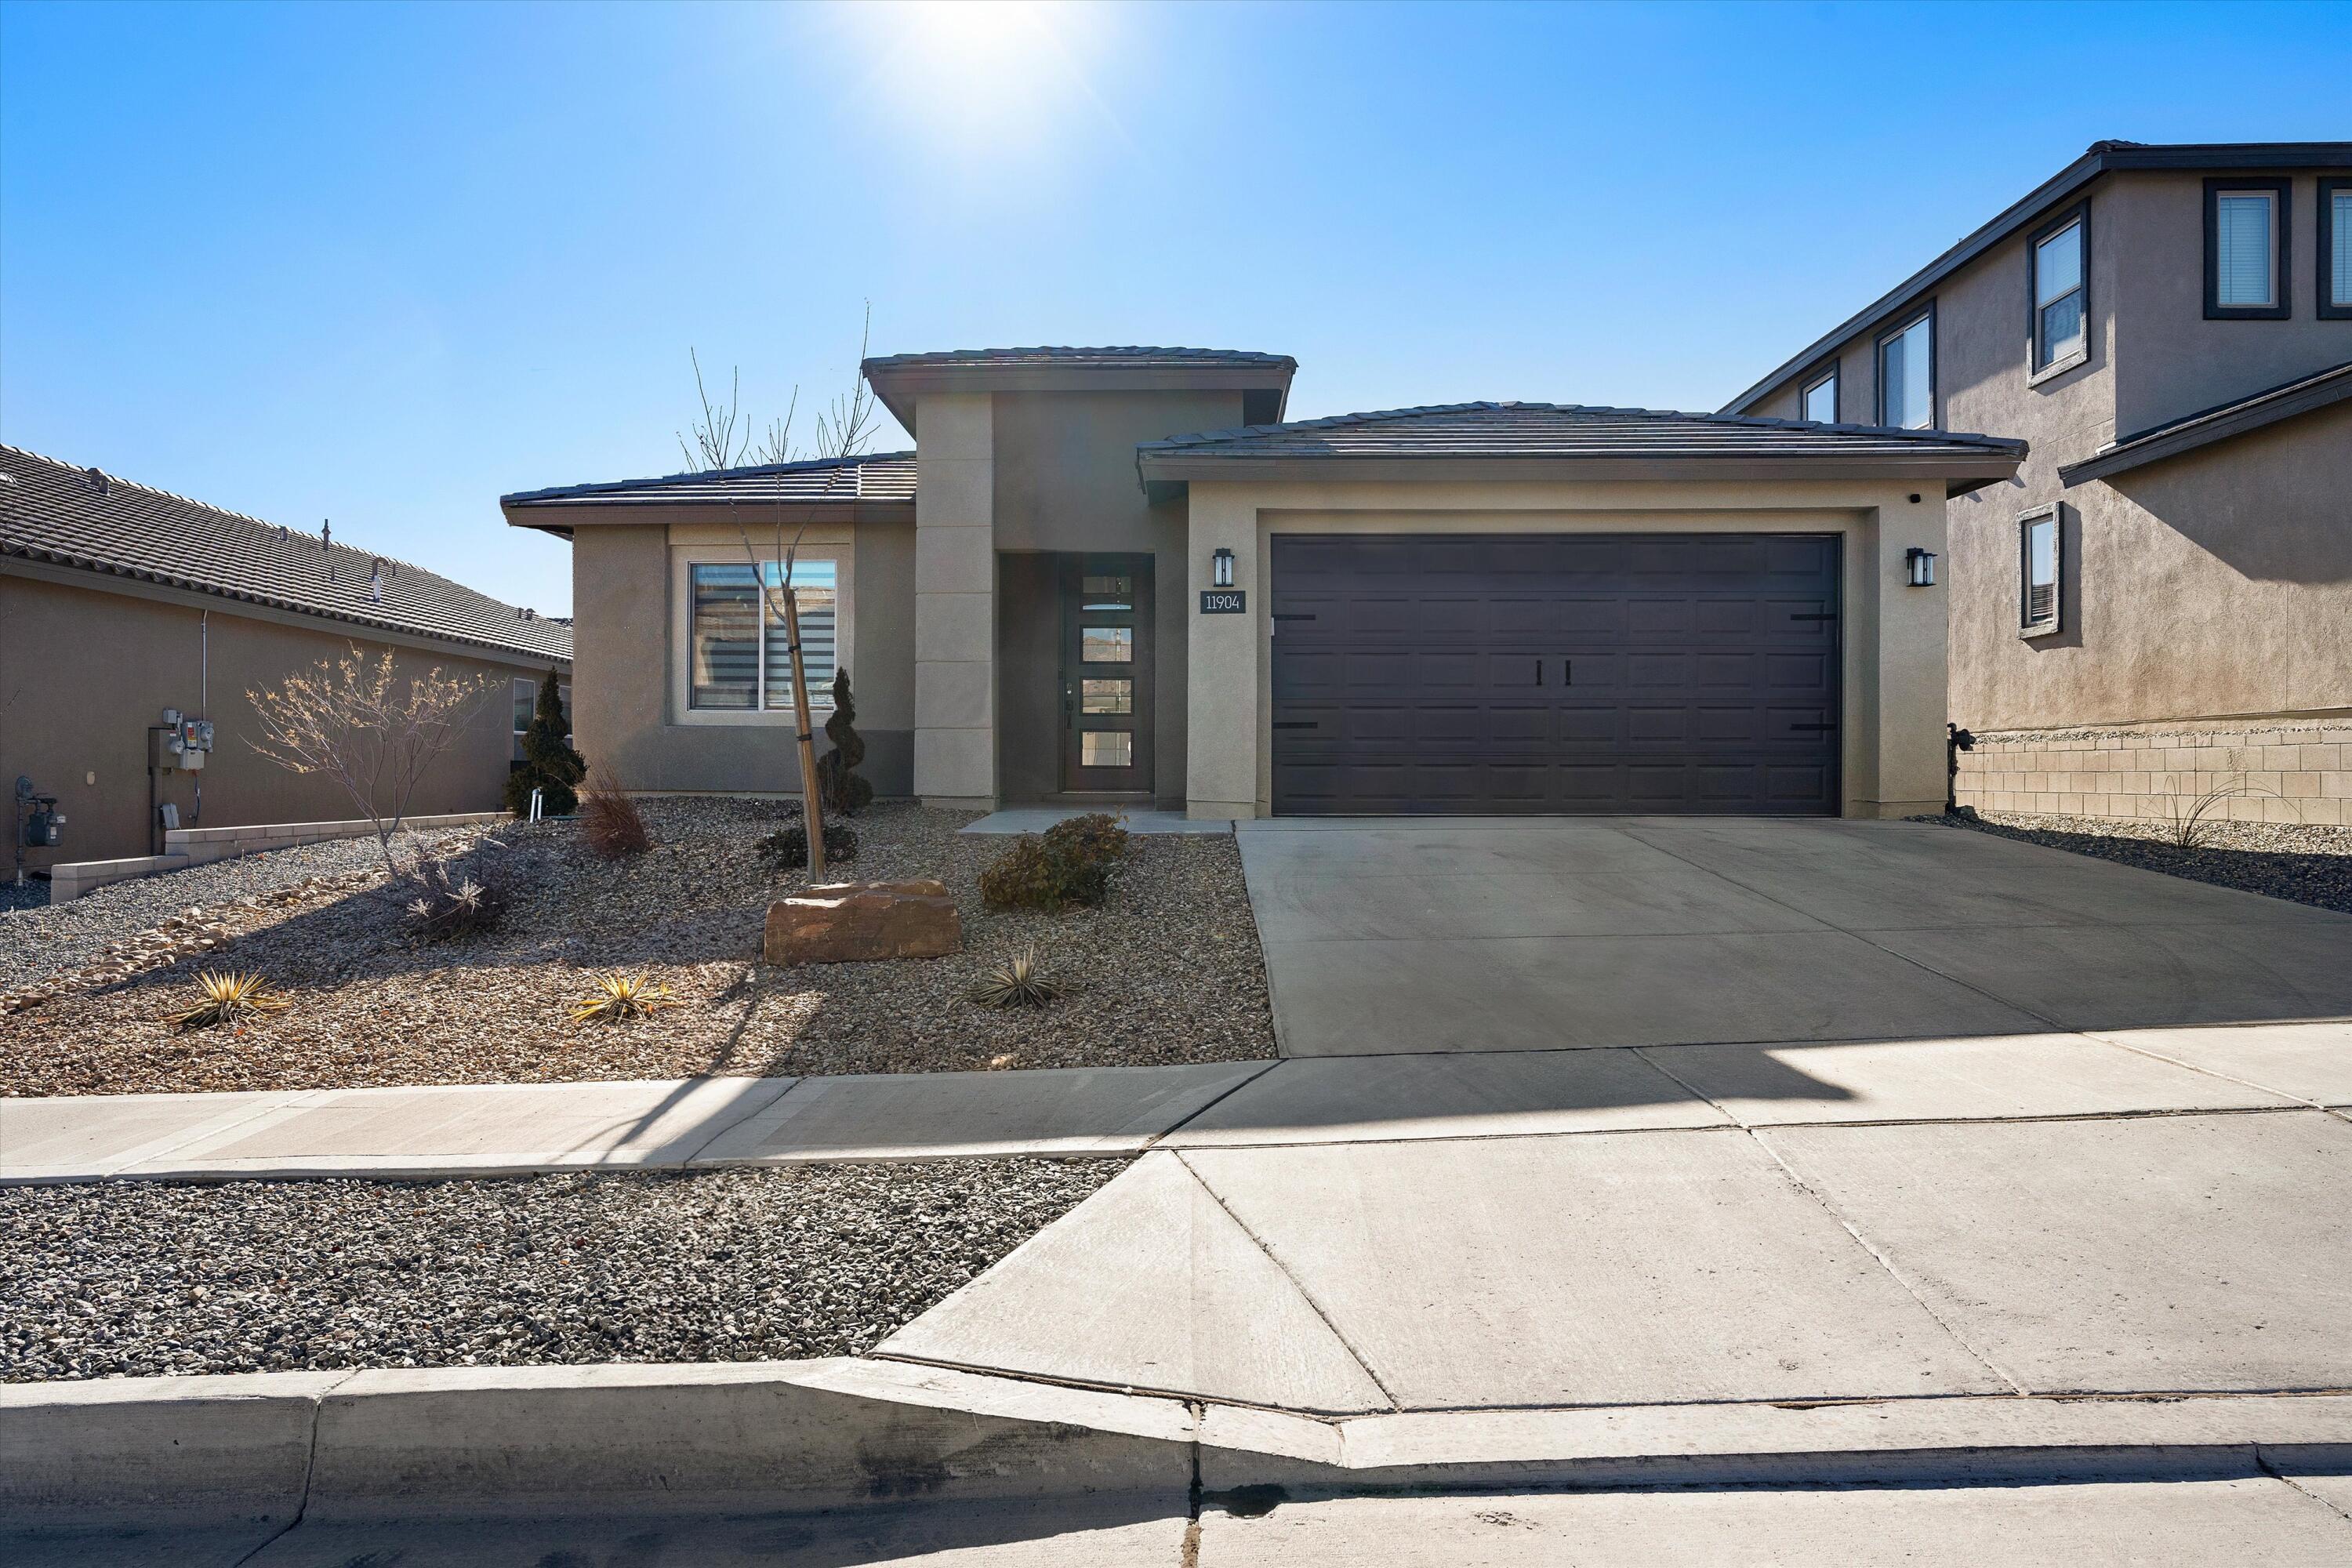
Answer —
(131, 1281)
(43, 939)
(2284, 860)
(1168, 970)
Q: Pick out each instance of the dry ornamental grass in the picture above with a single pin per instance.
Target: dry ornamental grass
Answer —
(1167, 970)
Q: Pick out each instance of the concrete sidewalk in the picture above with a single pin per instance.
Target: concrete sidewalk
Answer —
(682, 1123)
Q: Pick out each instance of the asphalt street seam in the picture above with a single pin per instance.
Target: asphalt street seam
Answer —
(1805, 1187)
(1304, 1294)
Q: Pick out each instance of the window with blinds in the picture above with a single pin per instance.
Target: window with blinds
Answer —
(2243, 248)
(1907, 376)
(2336, 248)
(2060, 297)
(2038, 562)
(738, 645)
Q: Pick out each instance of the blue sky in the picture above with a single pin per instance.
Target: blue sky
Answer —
(383, 263)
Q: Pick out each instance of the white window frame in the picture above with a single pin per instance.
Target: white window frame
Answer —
(2277, 251)
(2055, 516)
(684, 559)
(1830, 378)
(1878, 364)
(2038, 361)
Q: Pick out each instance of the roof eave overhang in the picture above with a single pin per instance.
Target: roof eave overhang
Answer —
(2061, 187)
(561, 517)
(902, 387)
(1166, 474)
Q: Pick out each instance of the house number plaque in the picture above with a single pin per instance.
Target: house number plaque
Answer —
(1221, 602)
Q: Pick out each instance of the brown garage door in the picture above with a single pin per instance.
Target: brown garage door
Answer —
(1554, 673)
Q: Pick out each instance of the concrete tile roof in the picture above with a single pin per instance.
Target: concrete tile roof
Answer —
(1068, 356)
(1518, 430)
(55, 512)
(871, 476)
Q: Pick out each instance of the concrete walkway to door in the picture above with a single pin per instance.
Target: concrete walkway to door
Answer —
(1512, 934)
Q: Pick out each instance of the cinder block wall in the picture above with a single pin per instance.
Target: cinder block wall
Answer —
(2293, 770)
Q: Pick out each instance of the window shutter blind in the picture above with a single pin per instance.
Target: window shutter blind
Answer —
(726, 637)
(2339, 244)
(2242, 249)
(814, 585)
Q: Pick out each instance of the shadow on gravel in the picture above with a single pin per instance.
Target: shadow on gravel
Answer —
(2321, 880)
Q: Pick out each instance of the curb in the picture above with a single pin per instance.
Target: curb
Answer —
(790, 1437)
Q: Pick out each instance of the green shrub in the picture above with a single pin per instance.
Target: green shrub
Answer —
(1072, 864)
(548, 764)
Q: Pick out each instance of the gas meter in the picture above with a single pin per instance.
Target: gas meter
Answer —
(182, 744)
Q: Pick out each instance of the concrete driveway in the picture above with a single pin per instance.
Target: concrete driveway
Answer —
(1487, 934)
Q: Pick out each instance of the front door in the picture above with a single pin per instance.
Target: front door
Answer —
(1106, 674)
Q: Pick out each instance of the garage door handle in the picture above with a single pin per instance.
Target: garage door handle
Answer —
(1298, 723)
(1825, 615)
(1812, 726)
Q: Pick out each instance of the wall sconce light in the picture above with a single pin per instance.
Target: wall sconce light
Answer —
(1919, 566)
(1220, 569)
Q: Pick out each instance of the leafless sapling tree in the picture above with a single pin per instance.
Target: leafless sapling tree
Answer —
(350, 721)
(842, 430)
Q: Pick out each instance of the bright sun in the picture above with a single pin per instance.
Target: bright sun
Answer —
(992, 70)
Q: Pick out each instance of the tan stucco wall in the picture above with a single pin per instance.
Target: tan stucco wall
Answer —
(629, 721)
(2216, 584)
(1066, 480)
(955, 601)
(92, 668)
(1894, 636)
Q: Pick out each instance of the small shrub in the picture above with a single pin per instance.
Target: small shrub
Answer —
(612, 824)
(229, 998)
(786, 848)
(619, 997)
(548, 764)
(1017, 982)
(845, 792)
(2191, 822)
(1072, 864)
(445, 906)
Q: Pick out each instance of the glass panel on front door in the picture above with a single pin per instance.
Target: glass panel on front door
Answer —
(1106, 675)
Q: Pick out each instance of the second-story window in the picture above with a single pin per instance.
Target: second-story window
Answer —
(2245, 250)
(1906, 375)
(1821, 397)
(2335, 249)
(2061, 296)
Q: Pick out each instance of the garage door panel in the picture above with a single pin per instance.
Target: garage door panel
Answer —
(1559, 673)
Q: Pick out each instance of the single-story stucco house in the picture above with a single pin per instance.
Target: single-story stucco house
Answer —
(1117, 576)
(120, 602)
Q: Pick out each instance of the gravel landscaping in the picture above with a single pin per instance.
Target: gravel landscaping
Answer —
(2284, 860)
(1168, 970)
(134, 1280)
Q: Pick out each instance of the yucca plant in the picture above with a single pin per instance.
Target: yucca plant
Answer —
(622, 996)
(1017, 982)
(229, 997)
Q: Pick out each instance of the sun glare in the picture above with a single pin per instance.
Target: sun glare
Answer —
(988, 72)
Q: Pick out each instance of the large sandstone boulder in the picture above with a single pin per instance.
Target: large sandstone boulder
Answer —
(850, 923)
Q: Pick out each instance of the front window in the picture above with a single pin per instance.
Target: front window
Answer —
(2037, 545)
(2336, 248)
(739, 651)
(2245, 249)
(2060, 297)
(1821, 398)
(1906, 375)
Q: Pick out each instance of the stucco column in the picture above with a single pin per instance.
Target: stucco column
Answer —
(1224, 712)
(955, 601)
(1913, 632)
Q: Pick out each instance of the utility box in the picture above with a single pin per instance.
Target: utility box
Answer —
(185, 743)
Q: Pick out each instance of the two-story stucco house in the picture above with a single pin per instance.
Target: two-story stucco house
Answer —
(1116, 575)
(2160, 602)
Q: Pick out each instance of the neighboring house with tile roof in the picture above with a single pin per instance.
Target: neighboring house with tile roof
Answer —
(1061, 596)
(2161, 604)
(118, 601)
